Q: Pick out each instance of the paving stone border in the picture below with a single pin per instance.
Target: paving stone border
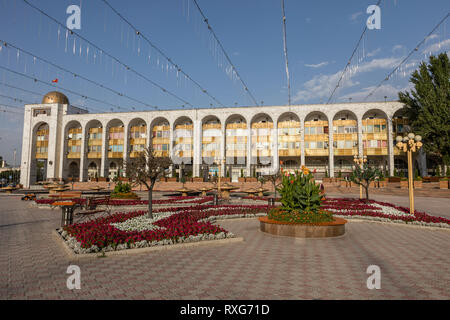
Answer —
(75, 256)
(414, 224)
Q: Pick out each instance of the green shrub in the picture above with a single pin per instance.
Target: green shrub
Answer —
(438, 172)
(299, 192)
(127, 195)
(122, 188)
(416, 174)
(280, 214)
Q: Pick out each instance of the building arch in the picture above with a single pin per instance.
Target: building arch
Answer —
(115, 136)
(345, 137)
(262, 141)
(289, 137)
(160, 136)
(73, 137)
(211, 135)
(183, 143)
(316, 139)
(93, 135)
(137, 137)
(39, 153)
(236, 145)
(375, 136)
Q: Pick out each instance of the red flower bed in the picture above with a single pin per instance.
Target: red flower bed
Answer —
(356, 207)
(184, 223)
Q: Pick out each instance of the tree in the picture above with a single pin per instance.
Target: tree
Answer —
(364, 176)
(428, 105)
(146, 169)
(275, 179)
(262, 179)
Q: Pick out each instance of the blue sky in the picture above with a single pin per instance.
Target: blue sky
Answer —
(320, 38)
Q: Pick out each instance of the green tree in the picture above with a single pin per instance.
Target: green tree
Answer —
(146, 169)
(364, 176)
(428, 105)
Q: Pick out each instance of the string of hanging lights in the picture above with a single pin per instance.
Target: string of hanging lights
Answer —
(35, 57)
(227, 57)
(162, 53)
(347, 66)
(416, 48)
(104, 52)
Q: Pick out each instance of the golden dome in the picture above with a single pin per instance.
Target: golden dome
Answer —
(55, 97)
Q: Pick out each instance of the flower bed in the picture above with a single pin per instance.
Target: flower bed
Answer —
(170, 225)
(381, 211)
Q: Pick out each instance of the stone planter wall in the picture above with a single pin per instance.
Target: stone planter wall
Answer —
(444, 184)
(332, 229)
(417, 184)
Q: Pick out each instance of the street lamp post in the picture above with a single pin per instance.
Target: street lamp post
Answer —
(409, 144)
(360, 161)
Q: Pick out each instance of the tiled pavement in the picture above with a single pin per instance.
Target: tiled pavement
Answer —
(414, 262)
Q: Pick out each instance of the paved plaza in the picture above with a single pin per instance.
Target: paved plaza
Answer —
(414, 263)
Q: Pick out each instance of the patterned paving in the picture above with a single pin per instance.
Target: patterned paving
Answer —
(415, 264)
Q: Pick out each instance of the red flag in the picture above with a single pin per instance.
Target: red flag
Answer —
(55, 80)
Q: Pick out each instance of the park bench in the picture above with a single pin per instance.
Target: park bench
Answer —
(91, 207)
(66, 195)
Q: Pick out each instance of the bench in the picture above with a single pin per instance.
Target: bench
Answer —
(90, 207)
(66, 195)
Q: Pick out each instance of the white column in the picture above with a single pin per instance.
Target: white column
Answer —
(83, 153)
(302, 142)
(330, 148)
(249, 150)
(222, 149)
(360, 139)
(104, 152)
(63, 155)
(390, 146)
(197, 145)
(125, 147)
(275, 156)
(27, 148)
(52, 142)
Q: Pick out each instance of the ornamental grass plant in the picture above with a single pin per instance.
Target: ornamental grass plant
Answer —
(301, 199)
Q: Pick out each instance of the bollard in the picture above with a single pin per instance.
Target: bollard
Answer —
(271, 202)
(216, 199)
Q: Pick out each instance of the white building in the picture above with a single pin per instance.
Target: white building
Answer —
(61, 141)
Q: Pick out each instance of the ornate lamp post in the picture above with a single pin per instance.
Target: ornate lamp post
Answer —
(409, 144)
(360, 161)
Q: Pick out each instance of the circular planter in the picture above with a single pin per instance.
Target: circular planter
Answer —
(320, 230)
